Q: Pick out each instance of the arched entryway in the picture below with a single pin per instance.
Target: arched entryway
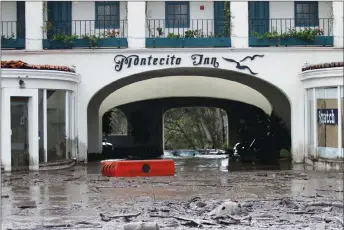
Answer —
(279, 102)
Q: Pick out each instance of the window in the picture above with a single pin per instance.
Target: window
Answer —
(107, 15)
(306, 14)
(327, 117)
(177, 14)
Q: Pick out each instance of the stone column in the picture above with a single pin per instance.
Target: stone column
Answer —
(34, 25)
(5, 130)
(45, 126)
(67, 124)
(239, 24)
(337, 9)
(136, 25)
(33, 131)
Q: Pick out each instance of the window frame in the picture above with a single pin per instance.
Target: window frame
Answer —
(106, 3)
(172, 3)
(316, 4)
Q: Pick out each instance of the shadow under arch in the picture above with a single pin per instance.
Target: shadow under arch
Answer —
(278, 99)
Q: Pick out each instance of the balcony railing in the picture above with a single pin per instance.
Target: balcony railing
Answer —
(85, 34)
(12, 35)
(284, 32)
(194, 33)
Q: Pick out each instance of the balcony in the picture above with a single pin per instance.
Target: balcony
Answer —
(195, 33)
(12, 35)
(287, 32)
(85, 34)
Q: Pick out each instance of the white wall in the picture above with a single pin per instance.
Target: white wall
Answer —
(279, 66)
(200, 19)
(8, 18)
(282, 16)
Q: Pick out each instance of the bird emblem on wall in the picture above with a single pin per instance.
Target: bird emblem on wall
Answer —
(243, 67)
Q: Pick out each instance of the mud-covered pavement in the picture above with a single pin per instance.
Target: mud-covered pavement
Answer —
(81, 198)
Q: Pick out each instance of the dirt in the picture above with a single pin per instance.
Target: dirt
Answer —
(80, 198)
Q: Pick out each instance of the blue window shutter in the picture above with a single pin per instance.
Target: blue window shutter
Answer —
(20, 19)
(108, 24)
(172, 4)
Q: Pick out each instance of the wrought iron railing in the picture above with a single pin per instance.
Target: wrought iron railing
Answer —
(12, 35)
(196, 28)
(288, 25)
(12, 30)
(81, 28)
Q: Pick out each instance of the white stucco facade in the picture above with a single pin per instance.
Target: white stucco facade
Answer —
(37, 81)
(103, 81)
(327, 85)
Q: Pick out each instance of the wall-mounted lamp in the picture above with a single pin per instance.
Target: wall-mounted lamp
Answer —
(21, 84)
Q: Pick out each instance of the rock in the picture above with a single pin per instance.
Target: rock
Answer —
(288, 203)
(227, 208)
(200, 204)
(141, 226)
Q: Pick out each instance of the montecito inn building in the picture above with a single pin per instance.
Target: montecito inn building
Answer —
(67, 63)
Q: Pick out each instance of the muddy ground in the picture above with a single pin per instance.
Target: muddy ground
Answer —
(80, 198)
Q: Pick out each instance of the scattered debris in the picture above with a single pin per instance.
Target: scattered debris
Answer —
(194, 222)
(329, 219)
(141, 226)
(73, 178)
(326, 203)
(301, 212)
(126, 215)
(28, 205)
(288, 203)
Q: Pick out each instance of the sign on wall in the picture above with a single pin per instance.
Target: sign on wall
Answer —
(327, 116)
(122, 61)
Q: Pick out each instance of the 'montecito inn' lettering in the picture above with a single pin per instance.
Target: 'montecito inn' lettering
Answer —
(123, 61)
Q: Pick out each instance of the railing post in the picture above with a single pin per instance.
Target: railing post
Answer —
(337, 9)
(239, 24)
(34, 25)
(136, 24)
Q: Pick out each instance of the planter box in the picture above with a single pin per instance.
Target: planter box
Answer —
(113, 42)
(164, 42)
(51, 44)
(187, 42)
(292, 41)
(255, 42)
(318, 41)
(82, 43)
(13, 43)
(207, 42)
